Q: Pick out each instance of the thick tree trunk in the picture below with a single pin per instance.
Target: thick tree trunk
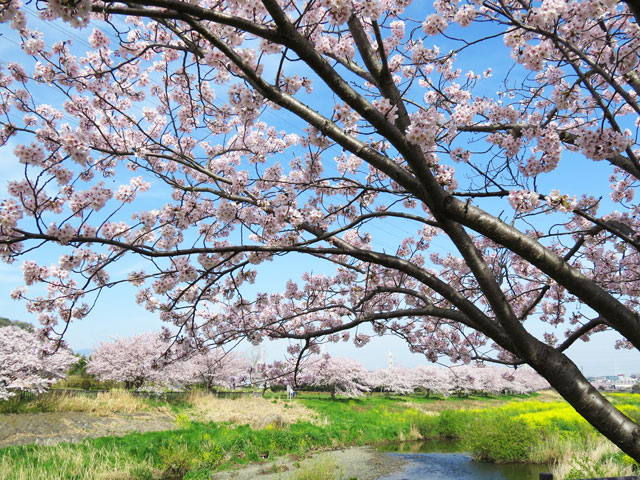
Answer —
(634, 7)
(566, 378)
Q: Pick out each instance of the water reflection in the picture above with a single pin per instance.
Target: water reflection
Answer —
(444, 461)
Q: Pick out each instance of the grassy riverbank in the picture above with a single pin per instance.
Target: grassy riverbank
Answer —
(211, 434)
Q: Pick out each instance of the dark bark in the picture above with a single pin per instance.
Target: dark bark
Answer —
(634, 7)
(569, 382)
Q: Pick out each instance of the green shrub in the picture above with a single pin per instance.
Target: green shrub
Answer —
(500, 439)
(175, 461)
(427, 425)
(454, 423)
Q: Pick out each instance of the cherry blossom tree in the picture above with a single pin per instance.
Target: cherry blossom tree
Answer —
(292, 371)
(137, 360)
(487, 380)
(341, 376)
(24, 367)
(523, 381)
(434, 380)
(216, 368)
(279, 130)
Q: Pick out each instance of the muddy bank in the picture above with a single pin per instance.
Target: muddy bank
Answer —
(52, 428)
(363, 463)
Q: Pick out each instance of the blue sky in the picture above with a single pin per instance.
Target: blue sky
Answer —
(119, 315)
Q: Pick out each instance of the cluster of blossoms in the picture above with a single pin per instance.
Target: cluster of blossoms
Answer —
(62, 234)
(98, 39)
(510, 143)
(434, 24)
(562, 203)
(339, 10)
(465, 15)
(622, 188)
(75, 147)
(385, 107)
(292, 84)
(10, 213)
(524, 200)
(96, 197)
(424, 128)
(11, 12)
(348, 163)
(445, 175)
(30, 154)
(599, 144)
(533, 57)
(347, 116)
(76, 13)
(371, 9)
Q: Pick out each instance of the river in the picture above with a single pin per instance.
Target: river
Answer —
(444, 461)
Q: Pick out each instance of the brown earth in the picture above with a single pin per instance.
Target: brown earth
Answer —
(52, 428)
(363, 463)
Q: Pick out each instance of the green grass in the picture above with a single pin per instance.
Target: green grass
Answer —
(492, 429)
(365, 421)
(193, 452)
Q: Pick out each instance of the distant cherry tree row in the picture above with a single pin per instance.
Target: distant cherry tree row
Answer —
(345, 376)
(147, 361)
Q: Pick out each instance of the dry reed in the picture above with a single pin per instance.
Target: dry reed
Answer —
(246, 410)
(61, 462)
(594, 459)
(107, 403)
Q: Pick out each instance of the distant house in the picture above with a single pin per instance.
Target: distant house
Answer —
(623, 382)
(614, 382)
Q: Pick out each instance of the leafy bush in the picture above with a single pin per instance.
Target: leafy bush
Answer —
(501, 439)
(450, 424)
(176, 460)
(80, 382)
(454, 423)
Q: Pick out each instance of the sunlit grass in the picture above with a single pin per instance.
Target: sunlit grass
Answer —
(103, 403)
(246, 411)
(114, 401)
(597, 457)
(65, 461)
(317, 470)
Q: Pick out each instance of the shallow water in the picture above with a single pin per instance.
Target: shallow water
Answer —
(444, 461)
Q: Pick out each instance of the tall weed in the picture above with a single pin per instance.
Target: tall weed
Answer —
(596, 458)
